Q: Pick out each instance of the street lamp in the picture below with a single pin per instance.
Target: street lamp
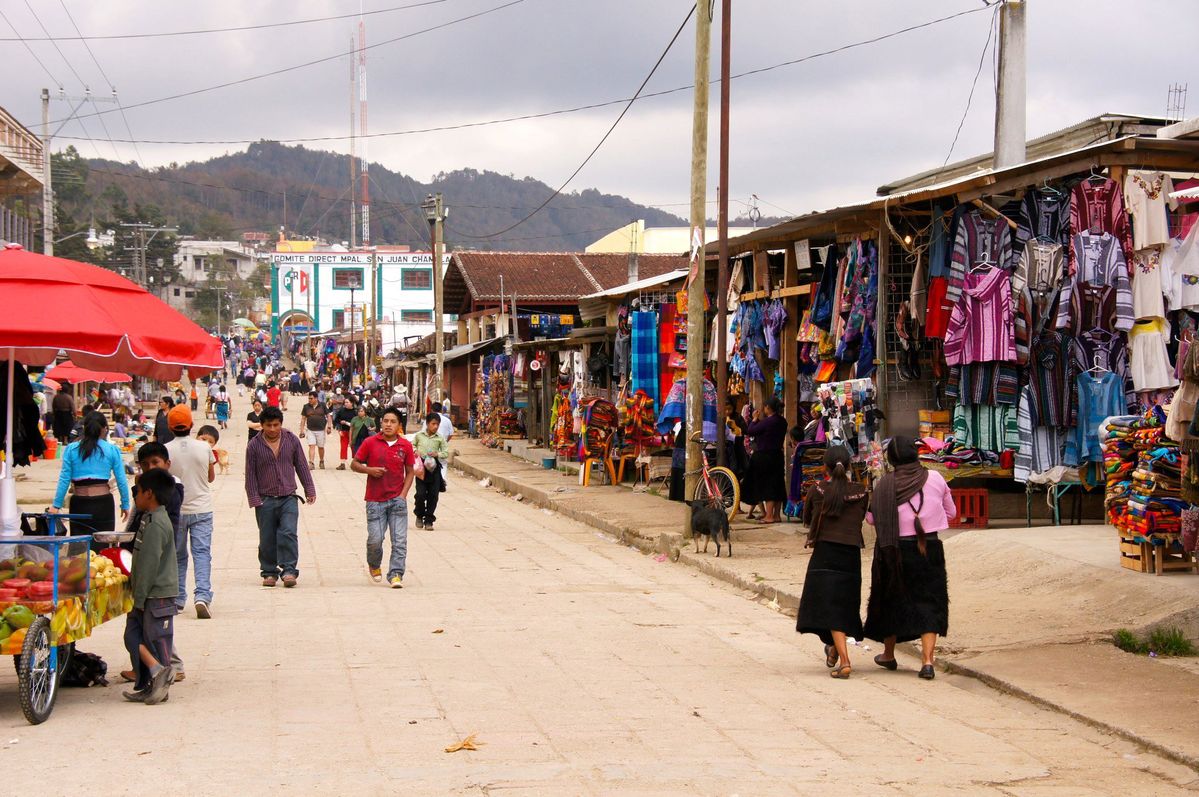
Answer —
(92, 240)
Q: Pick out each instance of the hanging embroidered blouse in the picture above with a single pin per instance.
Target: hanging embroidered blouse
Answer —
(1100, 262)
(1099, 397)
(1150, 363)
(1146, 195)
(981, 327)
(1148, 298)
(1098, 206)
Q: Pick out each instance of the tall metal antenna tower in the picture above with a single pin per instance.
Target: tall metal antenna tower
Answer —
(353, 125)
(1176, 102)
(363, 162)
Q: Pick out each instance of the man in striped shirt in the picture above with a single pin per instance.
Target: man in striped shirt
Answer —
(274, 459)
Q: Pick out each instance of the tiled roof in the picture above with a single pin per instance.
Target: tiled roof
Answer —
(557, 277)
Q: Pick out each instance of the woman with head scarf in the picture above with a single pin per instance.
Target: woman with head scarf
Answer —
(909, 589)
(832, 591)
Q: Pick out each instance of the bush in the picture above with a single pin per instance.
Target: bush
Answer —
(1161, 641)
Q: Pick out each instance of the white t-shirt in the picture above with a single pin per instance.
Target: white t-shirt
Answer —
(190, 459)
(446, 428)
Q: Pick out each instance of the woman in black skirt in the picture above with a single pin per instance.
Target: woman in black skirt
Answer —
(832, 590)
(765, 481)
(909, 589)
(87, 467)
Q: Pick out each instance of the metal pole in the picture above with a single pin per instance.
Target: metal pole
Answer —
(1010, 122)
(374, 307)
(695, 285)
(47, 189)
(438, 298)
(353, 352)
(722, 229)
(10, 514)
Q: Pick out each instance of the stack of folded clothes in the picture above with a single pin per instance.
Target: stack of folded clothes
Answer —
(951, 454)
(1120, 436)
(1154, 502)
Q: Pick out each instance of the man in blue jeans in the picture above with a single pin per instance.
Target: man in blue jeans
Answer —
(193, 464)
(274, 459)
(388, 461)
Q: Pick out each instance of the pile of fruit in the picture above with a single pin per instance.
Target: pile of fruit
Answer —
(22, 579)
(104, 573)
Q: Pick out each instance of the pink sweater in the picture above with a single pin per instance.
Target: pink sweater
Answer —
(935, 512)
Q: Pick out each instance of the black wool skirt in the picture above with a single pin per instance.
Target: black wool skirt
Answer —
(832, 592)
(914, 604)
(765, 479)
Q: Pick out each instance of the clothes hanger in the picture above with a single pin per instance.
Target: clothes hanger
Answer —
(1096, 176)
(982, 265)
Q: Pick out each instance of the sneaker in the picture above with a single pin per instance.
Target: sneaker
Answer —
(376, 574)
(136, 695)
(202, 612)
(397, 582)
(322, 464)
(428, 526)
(269, 581)
(289, 580)
(342, 466)
(420, 524)
(159, 685)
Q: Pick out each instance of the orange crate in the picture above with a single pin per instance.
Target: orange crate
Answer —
(974, 508)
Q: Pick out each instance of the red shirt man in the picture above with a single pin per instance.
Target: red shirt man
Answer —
(272, 395)
(388, 460)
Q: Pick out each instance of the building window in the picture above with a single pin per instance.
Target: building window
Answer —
(417, 316)
(176, 291)
(416, 279)
(344, 278)
(199, 261)
(339, 319)
(189, 294)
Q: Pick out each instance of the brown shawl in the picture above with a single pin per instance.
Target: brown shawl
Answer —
(892, 490)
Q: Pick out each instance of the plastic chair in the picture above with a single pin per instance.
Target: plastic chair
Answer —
(604, 457)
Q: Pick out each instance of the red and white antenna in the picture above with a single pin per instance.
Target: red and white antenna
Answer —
(353, 144)
(364, 177)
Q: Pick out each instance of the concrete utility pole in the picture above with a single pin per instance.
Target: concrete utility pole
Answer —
(722, 228)
(695, 280)
(1011, 86)
(47, 190)
(435, 213)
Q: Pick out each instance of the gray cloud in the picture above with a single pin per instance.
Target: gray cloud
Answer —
(803, 137)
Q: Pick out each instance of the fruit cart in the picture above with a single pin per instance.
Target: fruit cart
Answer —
(53, 591)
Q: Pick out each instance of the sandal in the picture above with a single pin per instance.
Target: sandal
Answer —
(886, 664)
(830, 656)
(841, 673)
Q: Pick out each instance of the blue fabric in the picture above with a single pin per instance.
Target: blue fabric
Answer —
(675, 409)
(644, 354)
(104, 463)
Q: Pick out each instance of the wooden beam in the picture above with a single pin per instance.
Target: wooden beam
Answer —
(881, 322)
(789, 356)
(761, 273)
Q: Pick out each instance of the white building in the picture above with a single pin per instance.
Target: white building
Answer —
(195, 261)
(635, 237)
(326, 289)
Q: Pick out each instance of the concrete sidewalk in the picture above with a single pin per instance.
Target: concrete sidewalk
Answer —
(1033, 609)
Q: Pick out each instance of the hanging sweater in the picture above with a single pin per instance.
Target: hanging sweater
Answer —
(1100, 262)
(1099, 396)
(981, 328)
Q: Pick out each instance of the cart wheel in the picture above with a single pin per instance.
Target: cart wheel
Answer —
(65, 654)
(38, 682)
(727, 491)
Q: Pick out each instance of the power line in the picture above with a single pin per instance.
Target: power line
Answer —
(204, 31)
(45, 69)
(111, 87)
(596, 149)
(539, 114)
(294, 67)
(982, 58)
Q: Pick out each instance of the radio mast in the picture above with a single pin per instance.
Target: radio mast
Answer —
(353, 125)
(364, 178)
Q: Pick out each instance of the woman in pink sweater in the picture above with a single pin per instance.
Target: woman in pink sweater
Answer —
(909, 588)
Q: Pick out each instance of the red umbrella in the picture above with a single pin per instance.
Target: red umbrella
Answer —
(71, 372)
(104, 321)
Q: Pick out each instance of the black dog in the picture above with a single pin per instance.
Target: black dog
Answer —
(712, 522)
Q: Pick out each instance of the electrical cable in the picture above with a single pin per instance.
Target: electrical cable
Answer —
(326, 59)
(542, 114)
(596, 149)
(982, 59)
(45, 69)
(112, 88)
(205, 31)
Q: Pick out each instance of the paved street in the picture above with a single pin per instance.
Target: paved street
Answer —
(584, 667)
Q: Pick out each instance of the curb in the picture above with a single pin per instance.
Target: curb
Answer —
(1009, 688)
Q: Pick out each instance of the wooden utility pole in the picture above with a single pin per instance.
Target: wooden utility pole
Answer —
(434, 207)
(722, 229)
(695, 280)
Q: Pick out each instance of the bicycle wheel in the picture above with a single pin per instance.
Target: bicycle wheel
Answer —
(727, 493)
(38, 683)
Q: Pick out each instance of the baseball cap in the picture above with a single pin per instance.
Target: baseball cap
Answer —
(179, 417)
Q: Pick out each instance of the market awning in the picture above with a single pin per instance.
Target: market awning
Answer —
(594, 306)
(577, 339)
(467, 349)
(70, 372)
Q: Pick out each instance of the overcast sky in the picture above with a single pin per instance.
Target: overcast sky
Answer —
(804, 137)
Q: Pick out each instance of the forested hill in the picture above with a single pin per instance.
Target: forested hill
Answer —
(270, 185)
